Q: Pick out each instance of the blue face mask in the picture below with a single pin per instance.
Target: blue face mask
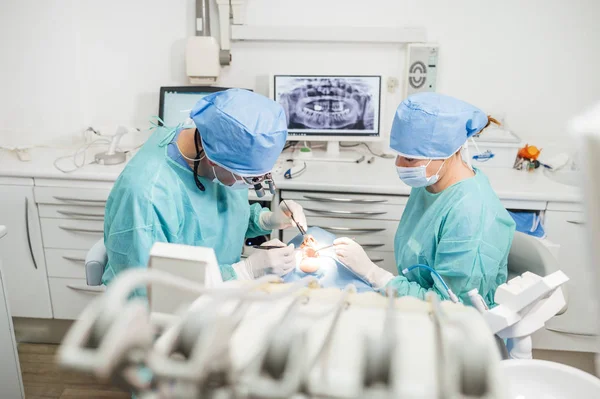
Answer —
(416, 176)
(237, 185)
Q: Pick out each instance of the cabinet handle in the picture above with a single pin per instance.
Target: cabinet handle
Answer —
(560, 330)
(575, 222)
(376, 260)
(371, 245)
(346, 200)
(70, 213)
(27, 230)
(85, 288)
(76, 229)
(351, 230)
(73, 258)
(349, 213)
(69, 199)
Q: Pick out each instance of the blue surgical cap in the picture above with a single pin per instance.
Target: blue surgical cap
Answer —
(434, 126)
(241, 131)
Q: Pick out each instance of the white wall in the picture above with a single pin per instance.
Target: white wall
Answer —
(67, 64)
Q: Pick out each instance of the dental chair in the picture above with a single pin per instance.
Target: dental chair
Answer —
(95, 262)
(529, 254)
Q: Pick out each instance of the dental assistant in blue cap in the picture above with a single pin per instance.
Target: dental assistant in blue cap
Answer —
(190, 186)
(454, 225)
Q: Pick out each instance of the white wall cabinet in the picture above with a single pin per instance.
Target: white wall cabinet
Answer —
(22, 251)
(10, 372)
(569, 230)
(576, 329)
(72, 220)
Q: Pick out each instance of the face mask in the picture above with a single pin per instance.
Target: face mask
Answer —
(417, 176)
(237, 185)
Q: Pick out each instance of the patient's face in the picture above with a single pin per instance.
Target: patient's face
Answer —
(307, 257)
(311, 264)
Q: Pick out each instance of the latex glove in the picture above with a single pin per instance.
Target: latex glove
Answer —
(350, 253)
(263, 261)
(281, 218)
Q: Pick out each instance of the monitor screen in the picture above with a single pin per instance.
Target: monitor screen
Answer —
(177, 102)
(341, 106)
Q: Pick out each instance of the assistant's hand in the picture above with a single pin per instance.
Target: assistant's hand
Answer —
(281, 218)
(350, 253)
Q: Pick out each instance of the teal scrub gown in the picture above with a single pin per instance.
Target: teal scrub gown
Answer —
(155, 199)
(463, 232)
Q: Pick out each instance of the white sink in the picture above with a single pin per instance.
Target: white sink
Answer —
(569, 177)
(539, 379)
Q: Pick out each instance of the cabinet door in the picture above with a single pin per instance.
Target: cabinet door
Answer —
(23, 255)
(568, 229)
(10, 372)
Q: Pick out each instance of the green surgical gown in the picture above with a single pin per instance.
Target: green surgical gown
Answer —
(156, 199)
(463, 232)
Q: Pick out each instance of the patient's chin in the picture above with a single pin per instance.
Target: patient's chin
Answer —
(309, 265)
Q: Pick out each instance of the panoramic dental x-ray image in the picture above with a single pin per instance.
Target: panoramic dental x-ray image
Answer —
(329, 103)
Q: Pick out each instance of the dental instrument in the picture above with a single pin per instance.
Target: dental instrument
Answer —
(267, 247)
(451, 294)
(300, 228)
(322, 248)
(295, 171)
(265, 339)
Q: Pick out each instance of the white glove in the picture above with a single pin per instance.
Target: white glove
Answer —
(350, 253)
(281, 218)
(267, 261)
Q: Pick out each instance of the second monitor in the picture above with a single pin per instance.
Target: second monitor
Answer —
(175, 103)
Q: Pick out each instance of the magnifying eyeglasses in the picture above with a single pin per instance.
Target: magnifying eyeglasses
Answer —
(258, 181)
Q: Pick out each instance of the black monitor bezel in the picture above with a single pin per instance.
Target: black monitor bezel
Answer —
(324, 134)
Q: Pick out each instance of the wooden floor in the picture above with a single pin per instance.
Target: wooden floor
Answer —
(42, 378)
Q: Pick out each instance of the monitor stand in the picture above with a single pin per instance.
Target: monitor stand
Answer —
(333, 154)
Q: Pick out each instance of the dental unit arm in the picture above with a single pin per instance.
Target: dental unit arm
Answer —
(524, 304)
(262, 339)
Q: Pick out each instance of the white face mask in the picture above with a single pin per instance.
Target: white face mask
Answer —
(416, 176)
(237, 185)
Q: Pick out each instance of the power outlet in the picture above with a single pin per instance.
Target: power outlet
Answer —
(421, 68)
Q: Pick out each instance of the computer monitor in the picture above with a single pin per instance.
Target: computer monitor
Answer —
(330, 108)
(177, 102)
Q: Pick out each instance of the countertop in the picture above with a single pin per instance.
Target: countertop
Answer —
(379, 177)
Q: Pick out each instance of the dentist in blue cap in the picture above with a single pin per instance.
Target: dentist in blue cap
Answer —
(190, 186)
